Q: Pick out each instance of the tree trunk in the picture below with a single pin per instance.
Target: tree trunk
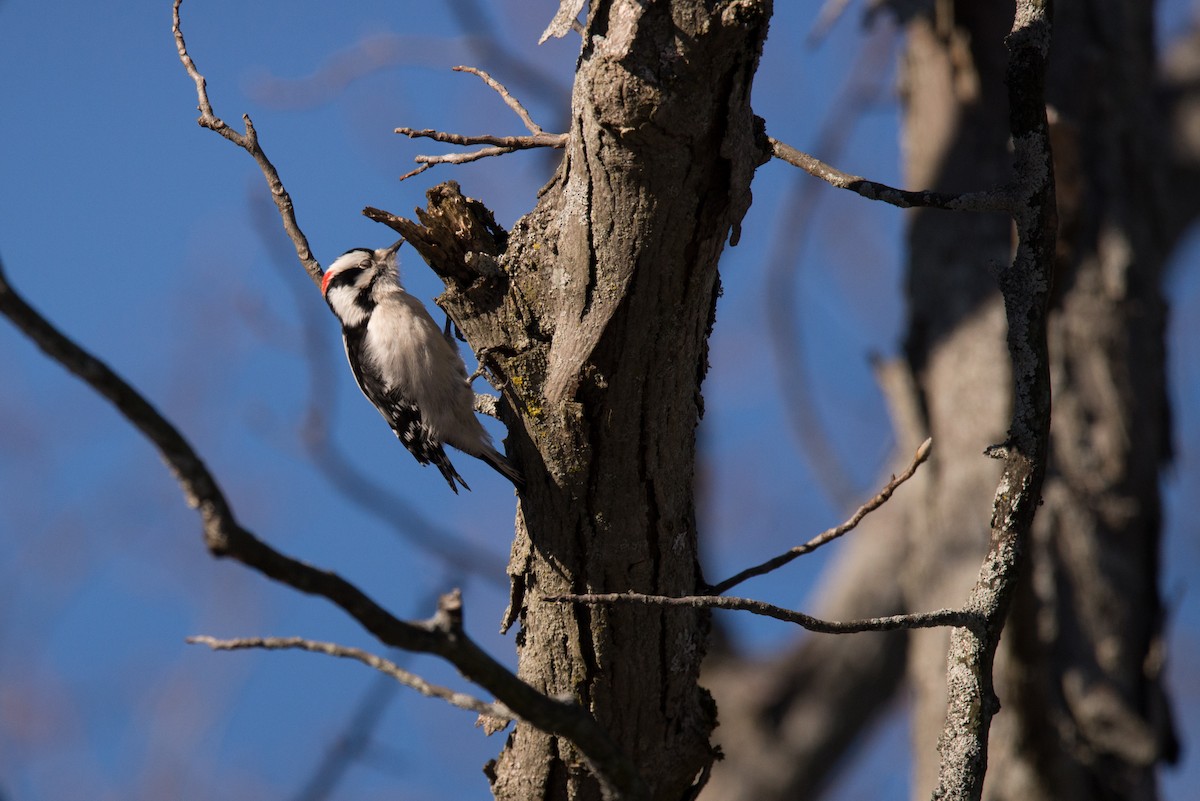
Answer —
(1083, 714)
(956, 139)
(597, 326)
(1078, 671)
(1085, 656)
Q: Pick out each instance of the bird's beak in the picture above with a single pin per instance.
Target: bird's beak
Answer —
(392, 250)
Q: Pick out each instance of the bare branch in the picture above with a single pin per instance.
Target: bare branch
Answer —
(918, 620)
(523, 142)
(499, 144)
(418, 171)
(509, 144)
(829, 535)
(996, 200)
(460, 700)
(248, 142)
(225, 537)
(509, 100)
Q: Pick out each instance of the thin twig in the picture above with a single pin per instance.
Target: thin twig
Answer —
(919, 620)
(248, 142)
(455, 158)
(498, 145)
(386, 666)
(514, 143)
(522, 142)
(509, 100)
(996, 200)
(352, 742)
(416, 171)
(830, 534)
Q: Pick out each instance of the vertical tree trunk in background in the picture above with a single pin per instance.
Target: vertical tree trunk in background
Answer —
(955, 138)
(1085, 653)
(1078, 673)
(617, 271)
(1083, 714)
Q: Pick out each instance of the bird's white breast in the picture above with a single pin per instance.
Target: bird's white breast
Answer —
(420, 364)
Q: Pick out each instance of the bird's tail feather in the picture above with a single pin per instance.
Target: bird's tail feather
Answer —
(449, 472)
(504, 467)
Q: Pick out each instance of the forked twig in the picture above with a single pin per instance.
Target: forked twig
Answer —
(497, 145)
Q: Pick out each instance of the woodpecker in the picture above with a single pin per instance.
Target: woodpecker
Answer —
(405, 365)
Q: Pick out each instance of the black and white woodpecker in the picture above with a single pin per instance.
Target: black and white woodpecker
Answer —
(405, 365)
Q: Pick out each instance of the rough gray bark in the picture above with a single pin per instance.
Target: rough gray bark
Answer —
(594, 316)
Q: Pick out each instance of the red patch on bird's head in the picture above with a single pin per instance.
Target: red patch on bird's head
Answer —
(325, 281)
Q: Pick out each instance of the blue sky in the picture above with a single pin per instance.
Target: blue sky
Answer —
(141, 235)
